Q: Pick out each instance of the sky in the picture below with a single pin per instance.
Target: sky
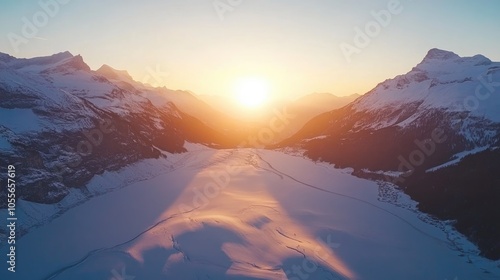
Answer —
(297, 46)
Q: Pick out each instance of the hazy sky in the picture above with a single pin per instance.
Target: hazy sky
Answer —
(295, 44)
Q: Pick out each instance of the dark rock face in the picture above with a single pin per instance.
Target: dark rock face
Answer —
(468, 193)
(381, 149)
(50, 162)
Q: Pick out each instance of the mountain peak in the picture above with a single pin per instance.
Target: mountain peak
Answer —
(5, 57)
(106, 68)
(77, 63)
(112, 73)
(62, 55)
(55, 58)
(41, 60)
(440, 55)
(447, 62)
(481, 60)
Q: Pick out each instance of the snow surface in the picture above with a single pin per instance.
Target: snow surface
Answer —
(317, 138)
(458, 157)
(240, 214)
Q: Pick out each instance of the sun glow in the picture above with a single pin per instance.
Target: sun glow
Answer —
(251, 92)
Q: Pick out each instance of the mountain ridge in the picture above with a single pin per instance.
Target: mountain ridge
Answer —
(388, 134)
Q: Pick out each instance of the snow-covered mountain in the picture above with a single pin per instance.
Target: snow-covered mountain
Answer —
(443, 81)
(457, 95)
(62, 123)
(105, 192)
(161, 97)
(420, 123)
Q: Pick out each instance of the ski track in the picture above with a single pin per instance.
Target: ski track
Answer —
(352, 198)
(93, 252)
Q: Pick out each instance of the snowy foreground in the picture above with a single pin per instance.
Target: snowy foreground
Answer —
(242, 214)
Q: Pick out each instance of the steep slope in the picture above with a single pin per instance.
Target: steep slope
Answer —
(445, 106)
(454, 95)
(309, 106)
(185, 101)
(62, 123)
(467, 192)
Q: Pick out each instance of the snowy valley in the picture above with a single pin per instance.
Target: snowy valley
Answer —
(243, 214)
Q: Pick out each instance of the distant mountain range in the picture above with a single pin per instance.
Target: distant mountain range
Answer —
(302, 109)
(434, 131)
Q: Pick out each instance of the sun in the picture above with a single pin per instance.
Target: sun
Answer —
(251, 92)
